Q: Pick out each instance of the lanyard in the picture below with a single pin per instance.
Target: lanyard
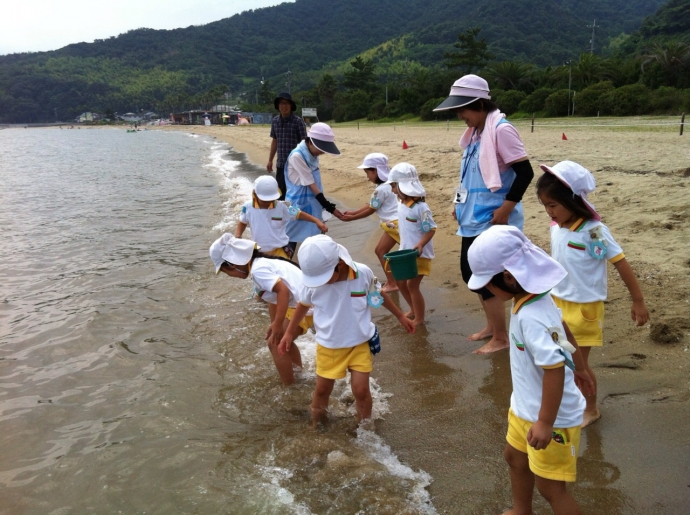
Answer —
(466, 162)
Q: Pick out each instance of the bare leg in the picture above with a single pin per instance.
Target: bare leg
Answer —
(405, 291)
(319, 401)
(359, 381)
(495, 311)
(294, 350)
(521, 481)
(418, 305)
(284, 363)
(485, 333)
(556, 493)
(592, 413)
(383, 247)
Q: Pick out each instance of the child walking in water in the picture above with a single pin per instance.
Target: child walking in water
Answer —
(417, 228)
(276, 282)
(383, 202)
(340, 291)
(546, 406)
(583, 245)
(267, 217)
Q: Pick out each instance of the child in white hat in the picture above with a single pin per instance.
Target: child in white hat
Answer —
(340, 292)
(276, 282)
(546, 405)
(584, 245)
(383, 202)
(267, 217)
(417, 228)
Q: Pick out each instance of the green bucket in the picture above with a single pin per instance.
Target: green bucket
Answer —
(402, 264)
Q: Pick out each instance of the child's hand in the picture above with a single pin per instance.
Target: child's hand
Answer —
(322, 227)
(539, 435)
(346, 217)
(419, 248)
(501, 215)
(285, 344)
(275, 333)
(639, 312)
(338, 214)
(407, 324)
(584, 382)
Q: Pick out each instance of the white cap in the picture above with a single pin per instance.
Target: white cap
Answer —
(233, 250)
(378, 161)
(323, 138)
(403, 172)
(266, 188)
(504, 247)
(412, 188)
(577, 178)
(318, 256)
(465, 90)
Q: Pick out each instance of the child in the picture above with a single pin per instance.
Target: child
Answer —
(337, 288)
(268, 217)
(276, 282)
(546, 406)
(580, 242)
(384, 203)
(417, 227)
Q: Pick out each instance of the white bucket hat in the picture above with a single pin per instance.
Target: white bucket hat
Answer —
(504, 247)
(412, 188)
(577, 178)
(403, 172)
(318, 256)
(465, 90)
(233, 250)
(266, 188)
(323, 138)
(378, 161)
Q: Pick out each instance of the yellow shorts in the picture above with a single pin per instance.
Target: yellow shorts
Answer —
(391, 231)
(585, 320)
(277, 252)
(558, 461)
(334, 363)
(305, 324)
(423, 266)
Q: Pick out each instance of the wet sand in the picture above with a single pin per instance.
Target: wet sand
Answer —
(448, 410)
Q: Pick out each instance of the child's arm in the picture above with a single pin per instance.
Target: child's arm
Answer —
(362, 212)
(287, 339)
(638, 312)
(424, 240)
(240, 229)
(395, 310)
(275, 330)
(540, 434)
(582, 379)
(305, 216)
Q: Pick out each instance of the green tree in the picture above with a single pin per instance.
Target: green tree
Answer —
(361, 76)
(327, 89)
(472, 52)
(509, 75)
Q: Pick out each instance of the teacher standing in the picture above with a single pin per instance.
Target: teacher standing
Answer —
(494, 174)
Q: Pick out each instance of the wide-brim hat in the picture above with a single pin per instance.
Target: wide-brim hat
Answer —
(504, 247)
(403, 172)
(286, 96)
(577, 178)
(464, 91)
(412, 188)
(379, 162)
(323, 138)
(318, 256)
(233, 250)
(266, 188)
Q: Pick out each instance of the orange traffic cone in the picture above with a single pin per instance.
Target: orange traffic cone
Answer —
(563, 137)
(405, 145)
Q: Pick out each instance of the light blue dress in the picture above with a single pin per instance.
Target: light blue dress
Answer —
(302, 197)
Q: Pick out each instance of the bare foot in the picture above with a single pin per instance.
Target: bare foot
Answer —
(492, 345)
(410, 315)
(419, 322)
(590, 418)
(387, 288)
(481, 335)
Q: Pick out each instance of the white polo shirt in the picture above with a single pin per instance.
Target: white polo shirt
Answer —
(411, 214)
(341, 314)
(267, 225)
(267, 272)
(532, 350)
(388, 207)
(587, 276)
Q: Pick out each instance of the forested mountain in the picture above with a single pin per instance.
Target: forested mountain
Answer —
(146, 68)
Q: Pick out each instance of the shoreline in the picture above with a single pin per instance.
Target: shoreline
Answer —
(635, 458)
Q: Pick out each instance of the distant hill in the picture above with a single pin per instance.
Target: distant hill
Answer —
(143, 67)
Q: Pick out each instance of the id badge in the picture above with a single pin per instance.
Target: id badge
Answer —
(460, 195)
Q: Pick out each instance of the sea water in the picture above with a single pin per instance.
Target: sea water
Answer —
(134, 380)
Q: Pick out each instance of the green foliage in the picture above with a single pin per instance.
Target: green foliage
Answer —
(472, 53)
(535, 102)
(671, 101)
(630, 100)
(589, 100)
(556, 104)
(509, 101)
(427, 113)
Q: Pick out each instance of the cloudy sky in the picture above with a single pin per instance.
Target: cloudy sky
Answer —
(39, 25)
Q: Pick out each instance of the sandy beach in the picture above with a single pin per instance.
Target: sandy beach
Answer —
(643, 194)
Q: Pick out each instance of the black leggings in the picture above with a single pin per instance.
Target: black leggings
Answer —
(465, 269)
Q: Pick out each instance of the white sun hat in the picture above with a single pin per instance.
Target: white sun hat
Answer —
(323, 138)
(465, 90)
(577, 178)
(412, 188)
(378, 161)
(233, 250)
(266, 188)
(318, 256)
(504, 247)
(403, 172)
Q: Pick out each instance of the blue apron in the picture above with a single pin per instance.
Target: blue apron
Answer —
(474, 216)
(303, 198)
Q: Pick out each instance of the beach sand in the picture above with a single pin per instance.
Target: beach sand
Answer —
(636, 458)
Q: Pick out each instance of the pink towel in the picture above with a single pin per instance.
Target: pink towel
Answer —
(488, 164)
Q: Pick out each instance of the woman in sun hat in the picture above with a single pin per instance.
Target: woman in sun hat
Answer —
(303, 180)
(494, 174)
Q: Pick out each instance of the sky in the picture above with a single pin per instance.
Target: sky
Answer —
(40, 25)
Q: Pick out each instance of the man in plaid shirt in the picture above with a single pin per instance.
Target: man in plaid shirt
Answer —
(287, 130)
